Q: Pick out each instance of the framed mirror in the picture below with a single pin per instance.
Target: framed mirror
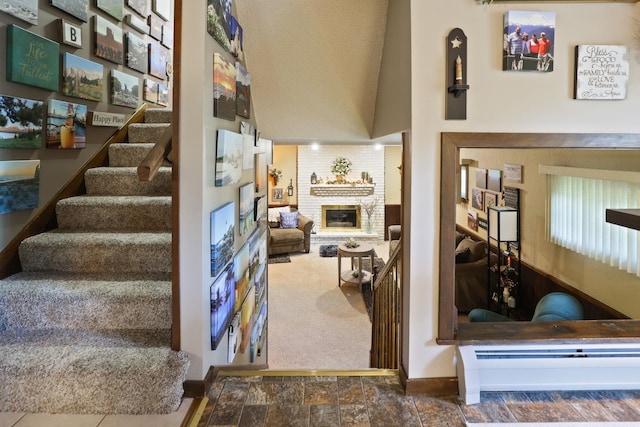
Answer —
(449, 331)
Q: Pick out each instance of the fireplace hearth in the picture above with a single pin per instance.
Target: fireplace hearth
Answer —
(340, 217)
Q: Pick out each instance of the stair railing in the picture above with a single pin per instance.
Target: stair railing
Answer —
(386, 310)
(149, 166)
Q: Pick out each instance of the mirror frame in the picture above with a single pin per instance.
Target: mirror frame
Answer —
(449, 332)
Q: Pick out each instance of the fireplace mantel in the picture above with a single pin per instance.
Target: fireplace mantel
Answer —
(344, 190)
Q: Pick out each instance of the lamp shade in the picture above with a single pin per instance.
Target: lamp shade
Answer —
(503, 223)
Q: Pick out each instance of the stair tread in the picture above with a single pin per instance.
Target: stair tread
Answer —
(92, 238)
(94, 340)
(107, 200)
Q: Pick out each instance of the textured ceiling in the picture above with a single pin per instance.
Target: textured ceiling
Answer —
(314, 66)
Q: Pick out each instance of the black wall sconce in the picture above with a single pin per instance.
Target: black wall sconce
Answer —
(290, 188)
(456, 75)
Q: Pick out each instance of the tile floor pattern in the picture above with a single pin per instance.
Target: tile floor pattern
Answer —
(378, 401)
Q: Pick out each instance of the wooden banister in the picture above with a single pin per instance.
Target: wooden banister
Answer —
(154, 159)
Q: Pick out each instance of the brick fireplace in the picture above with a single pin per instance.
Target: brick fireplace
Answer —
(340, 218)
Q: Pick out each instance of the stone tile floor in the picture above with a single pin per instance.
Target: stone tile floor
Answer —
(379, 401)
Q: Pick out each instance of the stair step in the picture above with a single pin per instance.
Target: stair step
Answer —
(123, 181)
(146, 132)
(84, 301)
(68, 251)
(109, 212)
(128, 154)
(158, 115)
(95, 372)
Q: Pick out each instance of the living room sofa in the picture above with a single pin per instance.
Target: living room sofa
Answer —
(471, 273)
(287, 240)
(553, 307)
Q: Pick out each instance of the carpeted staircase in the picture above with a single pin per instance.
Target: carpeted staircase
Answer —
(86, 326)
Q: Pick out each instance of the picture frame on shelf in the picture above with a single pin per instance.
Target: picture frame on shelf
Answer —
(82, 78)
(108, 40)
(71, 34)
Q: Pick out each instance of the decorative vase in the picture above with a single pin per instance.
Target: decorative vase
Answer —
(369, 230)
(340, 179)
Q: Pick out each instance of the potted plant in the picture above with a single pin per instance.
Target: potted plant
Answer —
(276, 174)
(341, 167)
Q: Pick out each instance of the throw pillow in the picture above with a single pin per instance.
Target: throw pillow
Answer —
(459, 237)
(289, 219)
(477, 249)
(273, 214)
(462, 255)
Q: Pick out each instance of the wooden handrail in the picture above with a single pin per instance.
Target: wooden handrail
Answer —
(385, 324)
(151, 163)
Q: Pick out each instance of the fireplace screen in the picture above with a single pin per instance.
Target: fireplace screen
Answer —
(340, 217)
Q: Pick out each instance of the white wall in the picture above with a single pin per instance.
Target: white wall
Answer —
(494, 101)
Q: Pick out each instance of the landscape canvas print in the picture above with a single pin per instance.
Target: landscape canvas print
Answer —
(42, 55)
(137, 53)
(219, 21)
(224, 88)
(157, 61)
(125, 89)
(163, 95)
(140, 6)
(162, 8)
(528, 41)
(247, 220)
(241, 266)
(137, 23)
(77, 8)
(27, 10)
(243, 91)
(20, 122)
(150, 91)
(19, 185)
(112, 7)
(222, 236)
(228, 158)
(222, 305)
(108, 44)
(66, 124)
(81, 78)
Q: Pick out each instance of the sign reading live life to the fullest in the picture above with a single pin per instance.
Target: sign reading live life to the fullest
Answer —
(32, 59)
(602, 72)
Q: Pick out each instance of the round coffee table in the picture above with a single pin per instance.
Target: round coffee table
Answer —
(355, 276)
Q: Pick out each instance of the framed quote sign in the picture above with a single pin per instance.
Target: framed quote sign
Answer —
(602, 72)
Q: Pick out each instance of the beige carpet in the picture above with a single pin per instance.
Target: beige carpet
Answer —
(313, 323)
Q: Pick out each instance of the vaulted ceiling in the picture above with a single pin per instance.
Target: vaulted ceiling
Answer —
(314, 66)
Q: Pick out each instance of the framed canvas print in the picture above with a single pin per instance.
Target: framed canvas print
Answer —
(19, 185)
(162, 8)
(222, 305)
(222, 224)
(155, 26)
(77, 8)
(150, 91)
(494, 180)
(236, 39)
(247, 152)
(247, 317)
(141, 7)
(241, 266)
(125, 89)
(138, 24)
(43, 55)
(66, 124)
(481, 178)
(167, 36)
(246, 215)
(278, 194)
(472, 220)
(512, 172)
(108, 43)
(224, 88)
(163, 95)
(490, 199)
(81, 78)
(260, 207)
(157, 61)
(137, 53)
(602, 72)
(114, 8)
(71, 34)
(20, 122)
(261, 172)
(477, 200)
(243, 91)
(27, 10)
(527, 43)
(228, 158)
(219, 21)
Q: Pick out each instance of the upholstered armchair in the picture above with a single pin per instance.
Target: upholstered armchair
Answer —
(553, 307)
